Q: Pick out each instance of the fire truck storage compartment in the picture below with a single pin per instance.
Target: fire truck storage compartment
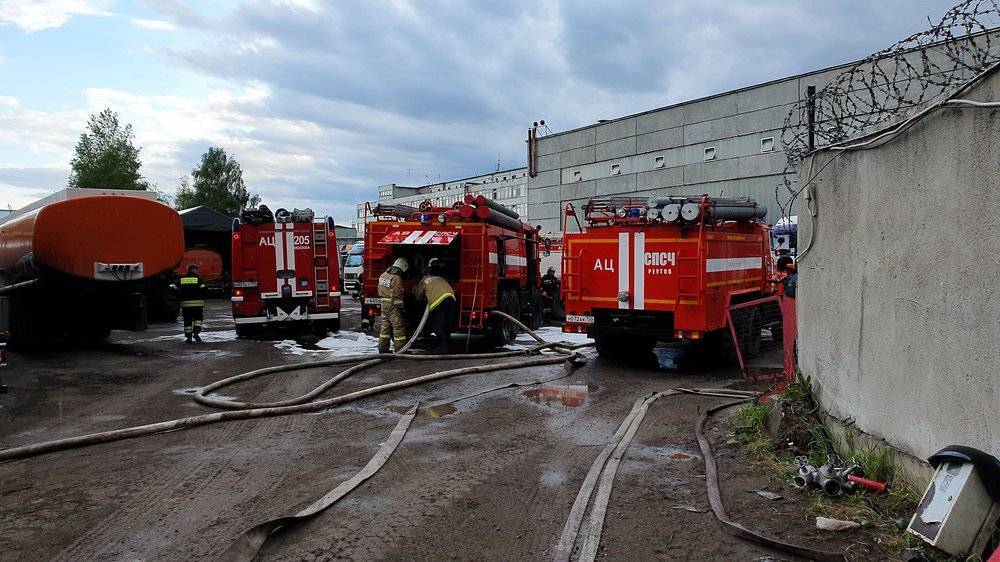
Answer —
(489, 257)
(666, 268)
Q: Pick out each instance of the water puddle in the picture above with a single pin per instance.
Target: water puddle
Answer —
(562, 396)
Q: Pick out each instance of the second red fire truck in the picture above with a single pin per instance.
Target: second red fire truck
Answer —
(285, 271)
(490, 255)
(668, 268)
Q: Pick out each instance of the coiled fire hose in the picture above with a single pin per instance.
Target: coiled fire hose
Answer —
(531, 357)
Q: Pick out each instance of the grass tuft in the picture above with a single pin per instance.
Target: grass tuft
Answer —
(886, 514)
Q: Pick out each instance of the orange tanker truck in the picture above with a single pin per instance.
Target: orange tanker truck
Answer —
(80, 262)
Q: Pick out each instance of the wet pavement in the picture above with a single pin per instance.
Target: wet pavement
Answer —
(478, 475)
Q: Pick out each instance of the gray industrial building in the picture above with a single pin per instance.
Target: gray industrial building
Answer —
(509, 187)
(728, 144)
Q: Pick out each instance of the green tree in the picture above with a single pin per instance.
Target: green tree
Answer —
(105, 156)
(218, 183)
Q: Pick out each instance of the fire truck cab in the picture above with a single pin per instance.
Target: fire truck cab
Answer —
(490, 258)
(665, 268)
(283, 273)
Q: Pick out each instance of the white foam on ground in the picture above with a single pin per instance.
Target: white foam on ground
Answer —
(340, 344)
(215, 336)
(552, 333)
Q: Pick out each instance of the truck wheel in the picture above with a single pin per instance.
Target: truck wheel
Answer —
(537, 311)
(752, 333)
(245, 330)
(499, 331)
(512, 306)
(558, 312)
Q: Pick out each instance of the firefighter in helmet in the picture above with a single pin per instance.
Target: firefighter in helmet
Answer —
(391, 292)
(192, 302)
(440, 299)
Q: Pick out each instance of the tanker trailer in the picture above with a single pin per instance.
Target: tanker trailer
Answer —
(79, 263)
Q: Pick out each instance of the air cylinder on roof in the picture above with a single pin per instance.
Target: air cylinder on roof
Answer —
(503, 209)
(724, 210)
(493, 217)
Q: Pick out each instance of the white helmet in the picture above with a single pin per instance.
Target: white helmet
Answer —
(401, 264)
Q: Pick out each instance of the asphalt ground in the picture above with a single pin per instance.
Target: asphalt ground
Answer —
(491, 477)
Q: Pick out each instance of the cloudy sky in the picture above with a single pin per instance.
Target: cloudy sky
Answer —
(323, 101)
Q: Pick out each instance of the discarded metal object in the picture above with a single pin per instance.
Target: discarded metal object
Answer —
(868, 484)
(831, 477)
(960, 508)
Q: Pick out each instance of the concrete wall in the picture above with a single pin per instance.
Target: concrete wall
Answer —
(899, 295)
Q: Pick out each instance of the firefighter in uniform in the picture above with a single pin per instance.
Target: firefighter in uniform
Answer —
(191, 290)
(391, 291)
(440, 299)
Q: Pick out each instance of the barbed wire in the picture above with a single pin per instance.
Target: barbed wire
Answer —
(884, 87)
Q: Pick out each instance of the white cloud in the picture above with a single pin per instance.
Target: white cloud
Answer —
(9, 101)
(158, 25)
(36, 15)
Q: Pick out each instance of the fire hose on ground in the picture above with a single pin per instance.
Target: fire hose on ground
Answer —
(531, 357)
(602, 474)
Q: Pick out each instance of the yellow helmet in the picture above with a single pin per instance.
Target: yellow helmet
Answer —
(402, 264)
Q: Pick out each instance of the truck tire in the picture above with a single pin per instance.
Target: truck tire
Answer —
(512, 306)
(537, 311)
(752, 337)
(500, 332)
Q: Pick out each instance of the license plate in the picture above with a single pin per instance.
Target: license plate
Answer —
(376, 301)
(580, 319)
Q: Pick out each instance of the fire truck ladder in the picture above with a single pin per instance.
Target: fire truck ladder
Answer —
(571, 274)
(685, 263)
(473, 274)
(322, 273)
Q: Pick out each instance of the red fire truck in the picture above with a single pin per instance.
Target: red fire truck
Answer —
(283, 273)
(667, 268)
(491, 259)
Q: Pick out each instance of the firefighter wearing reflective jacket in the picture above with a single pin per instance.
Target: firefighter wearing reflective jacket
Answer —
(440, 299)
(191, 291)
(391, 292)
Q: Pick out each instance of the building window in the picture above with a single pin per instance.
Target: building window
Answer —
(616, 169)
(710, 153)
(659, 162)
(767, 144)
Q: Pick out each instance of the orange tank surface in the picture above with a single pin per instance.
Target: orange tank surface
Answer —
(106, 237)
(209, 263)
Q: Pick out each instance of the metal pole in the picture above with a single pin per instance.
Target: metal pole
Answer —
(811, 115)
